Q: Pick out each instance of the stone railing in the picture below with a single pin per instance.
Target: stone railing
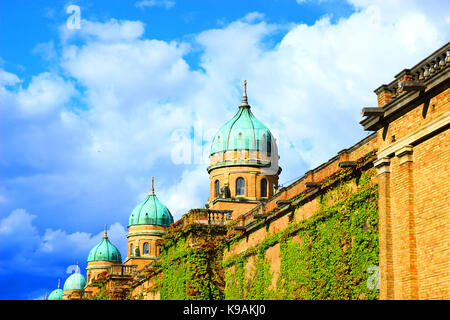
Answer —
(207, 216)
(436, 62)
(421, 72)
(203, 216)
(123, 270)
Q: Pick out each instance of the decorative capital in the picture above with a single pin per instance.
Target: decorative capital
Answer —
(383, 165)
(405, 154)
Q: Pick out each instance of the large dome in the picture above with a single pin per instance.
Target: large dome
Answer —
(242, 132)
(75, 281)
(104, 251)
(151, 211)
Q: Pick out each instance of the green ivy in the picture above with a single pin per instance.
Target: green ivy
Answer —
(329, 257)
(191, 268)
(323, 257)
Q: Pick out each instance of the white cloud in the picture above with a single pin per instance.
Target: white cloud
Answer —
(167, 4)
(45, 93)
(7, 78)
(18, 221)
(22, 242)
(58, 242)
(313, 84)
(46, 50)
(110, 31)
(191, 191)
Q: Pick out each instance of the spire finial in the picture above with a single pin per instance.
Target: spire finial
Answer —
(46, 295)
(244, 96)
(59, 283)
(78, 268)
(152, 190)
(105, 235)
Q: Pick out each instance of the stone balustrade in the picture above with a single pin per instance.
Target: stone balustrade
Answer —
(421, 72)
(203, 216)
(123, 270)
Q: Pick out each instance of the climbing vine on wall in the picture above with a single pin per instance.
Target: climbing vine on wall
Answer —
(324, 257)
(191, 264)
(249, 280)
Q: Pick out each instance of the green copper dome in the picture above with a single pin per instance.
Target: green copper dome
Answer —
(151, 211)
(56, 294)
(242, 132)
(75, 281)
(104, 251)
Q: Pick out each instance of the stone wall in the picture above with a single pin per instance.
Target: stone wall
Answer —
(413, 167)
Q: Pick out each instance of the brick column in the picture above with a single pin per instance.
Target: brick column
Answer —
(384, 95)
(385, 229)
(403, 76)
(404, 217)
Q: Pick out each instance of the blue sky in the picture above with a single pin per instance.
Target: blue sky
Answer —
(89, 115)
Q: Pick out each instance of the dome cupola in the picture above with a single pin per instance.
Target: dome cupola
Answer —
(151, 211)
(242, 132)
(243, 167)
(104, 251)
(57, 293)
(75, 281)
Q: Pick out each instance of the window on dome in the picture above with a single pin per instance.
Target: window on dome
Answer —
(146, 248)
(263, 188)
(131, 249)
(217, 188)
(240, 187)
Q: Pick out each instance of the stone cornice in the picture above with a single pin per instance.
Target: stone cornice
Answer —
(146, 233)
(407, 101)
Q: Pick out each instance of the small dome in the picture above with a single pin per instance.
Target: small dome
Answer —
(104, 251)
(242, 132)
(56, 294)
(151, 211)
(75, 281)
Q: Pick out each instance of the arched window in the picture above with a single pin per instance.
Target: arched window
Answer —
(240, 187)
(131, 250)
(217, 188)
(146, 248)
(263, 188)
